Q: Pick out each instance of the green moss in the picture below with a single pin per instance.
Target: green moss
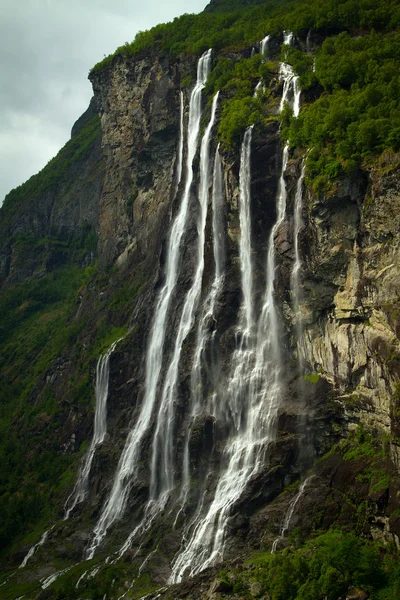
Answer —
(312, 377)
(323, 567)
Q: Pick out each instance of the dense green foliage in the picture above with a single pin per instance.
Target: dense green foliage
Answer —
(35, 326)
(358, 114)
(324, 567)
(195, 33)
(356, 82)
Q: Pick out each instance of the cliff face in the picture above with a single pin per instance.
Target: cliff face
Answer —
(345, 329)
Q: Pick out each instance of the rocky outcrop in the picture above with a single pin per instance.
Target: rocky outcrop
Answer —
(139, 104)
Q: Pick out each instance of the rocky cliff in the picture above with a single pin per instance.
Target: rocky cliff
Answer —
(331, 459)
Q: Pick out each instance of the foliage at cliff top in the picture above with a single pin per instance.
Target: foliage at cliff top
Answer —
(193, 34)
(357, 115)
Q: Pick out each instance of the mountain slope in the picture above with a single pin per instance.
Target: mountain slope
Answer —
(252, 398)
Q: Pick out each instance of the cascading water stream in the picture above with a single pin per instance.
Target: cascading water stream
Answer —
(291, 86)
(162, 465)
(100, 429)
(263, 52)
(181, 141)
(289, 513)
(246, 266)
(207, 534)
(129, 460)
(254, 391)
(32, 550)
(80, 490)
(287, 38)
(295, 276)
(205, 337)
(264, 45)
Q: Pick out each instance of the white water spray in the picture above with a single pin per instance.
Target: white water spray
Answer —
(181, 141)
(291, 87)
(129, 460)
(162, 464)
(252, 398)
(205, 337)
(264, 45)
(207, 536)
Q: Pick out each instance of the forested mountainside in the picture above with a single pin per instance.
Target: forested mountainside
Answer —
(200, 334)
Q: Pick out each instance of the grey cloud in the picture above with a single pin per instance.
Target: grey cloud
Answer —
(47, 48)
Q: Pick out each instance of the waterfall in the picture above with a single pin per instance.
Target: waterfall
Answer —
(33, 549)
(205, 334)
(295, 276)
(180, 147)
(263, 51)
(129, 460)
(249, 401)
(80, 490)
(51, 579)
(245, 232)
(258, 87)
(207, 535)
(162, 466)
(289, 513)
(287, 38)
(291, 87)
(264, 45)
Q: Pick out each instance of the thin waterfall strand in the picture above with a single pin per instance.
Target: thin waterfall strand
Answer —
(32, 550)
(264, 45)
(181, 141)
(129, 460)
(80, 490)
(289, 513)
(295, 276)
(245, 229)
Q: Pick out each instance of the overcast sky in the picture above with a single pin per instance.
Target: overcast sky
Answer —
(47, 48)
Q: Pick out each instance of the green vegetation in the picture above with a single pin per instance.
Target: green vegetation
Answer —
(312, 377)
(354, 113)
(193, 34)
(358, 114)
(36, 326)
(56, 169)
(324, 567)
